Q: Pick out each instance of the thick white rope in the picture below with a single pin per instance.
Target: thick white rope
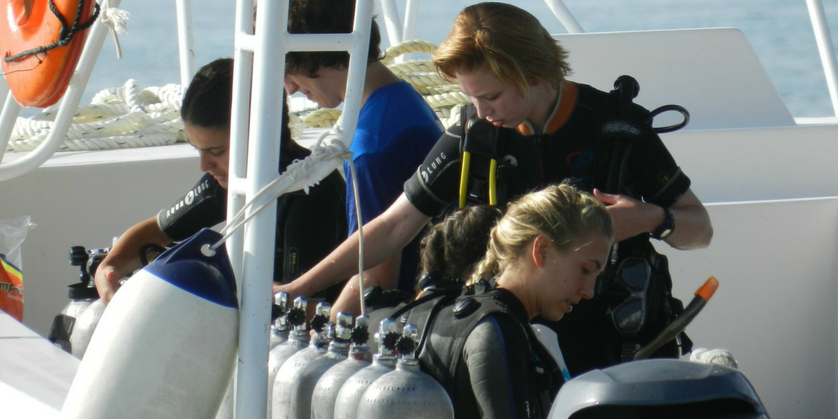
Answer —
(123, 117)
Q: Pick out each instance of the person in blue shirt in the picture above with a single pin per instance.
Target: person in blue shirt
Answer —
(396, 129)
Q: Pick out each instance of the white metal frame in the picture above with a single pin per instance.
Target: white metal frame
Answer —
(251, 252)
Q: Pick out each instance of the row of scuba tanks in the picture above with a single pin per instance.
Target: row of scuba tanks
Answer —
(334, 373)
(327, 370)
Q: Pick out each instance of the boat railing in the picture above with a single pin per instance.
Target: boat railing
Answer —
(70, 101)
(827, 52)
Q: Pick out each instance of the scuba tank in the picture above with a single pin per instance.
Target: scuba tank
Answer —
(290, 370)
(298, 339)
(346, 402)
(85, 326)
(150, 354)
(279, 328)
(303, 386)
(82, 294)
(666, 388)
(406, 392)
(330, 383)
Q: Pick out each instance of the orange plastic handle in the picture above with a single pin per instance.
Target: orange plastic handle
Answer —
(709, 288)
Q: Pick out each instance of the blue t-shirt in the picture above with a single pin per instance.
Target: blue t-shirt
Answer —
(396, 130)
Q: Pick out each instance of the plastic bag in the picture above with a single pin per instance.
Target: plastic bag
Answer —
(12, 233)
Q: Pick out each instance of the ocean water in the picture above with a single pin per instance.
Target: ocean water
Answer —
(779, 30)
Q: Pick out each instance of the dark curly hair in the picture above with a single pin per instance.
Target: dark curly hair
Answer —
(458, 242)
(325, 16)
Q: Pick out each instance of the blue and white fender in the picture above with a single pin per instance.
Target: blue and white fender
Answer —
(166, 345)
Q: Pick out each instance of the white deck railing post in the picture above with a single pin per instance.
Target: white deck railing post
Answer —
(186, 41)
(827, 52)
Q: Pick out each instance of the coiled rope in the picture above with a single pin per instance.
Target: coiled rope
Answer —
(129, 117)
(123, 117)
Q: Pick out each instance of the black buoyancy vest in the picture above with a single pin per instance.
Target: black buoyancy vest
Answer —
(445, 319)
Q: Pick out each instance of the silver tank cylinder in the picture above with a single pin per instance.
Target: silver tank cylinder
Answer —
(407, 392)
(303, 388)
(327, 388)
(84, 327)
(280, 328)
(349, 395)
(298, 339)
(290, 370)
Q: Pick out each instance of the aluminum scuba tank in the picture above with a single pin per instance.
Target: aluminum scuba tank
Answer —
(298, 339)
(85, 325)
(279, 329)
(406, 392)
(290, 370)
(303, 387)
(346, 402)
(82, 294)
(150, 352)
(330, 383)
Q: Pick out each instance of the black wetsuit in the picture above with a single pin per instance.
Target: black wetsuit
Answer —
(484, 353)
(573, 147)
(308, 226)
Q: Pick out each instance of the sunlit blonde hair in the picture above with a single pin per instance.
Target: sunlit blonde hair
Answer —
(511, 41)
(562, 213)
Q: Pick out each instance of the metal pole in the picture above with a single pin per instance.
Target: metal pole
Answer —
(7, 119)
(259, 237)
(392, 21)
(827, 52)
(565, 17)
(186, 41)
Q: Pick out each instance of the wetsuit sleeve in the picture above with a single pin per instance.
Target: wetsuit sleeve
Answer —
(658, 178)
(205, 205)
(309, 227)
(435, 184)
(495, 355)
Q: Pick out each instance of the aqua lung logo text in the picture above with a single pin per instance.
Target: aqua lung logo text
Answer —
(437, 163)
(189, 199)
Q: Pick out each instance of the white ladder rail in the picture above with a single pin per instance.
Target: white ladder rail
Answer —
(258, 99)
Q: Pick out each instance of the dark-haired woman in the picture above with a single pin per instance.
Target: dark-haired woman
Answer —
(308, 226)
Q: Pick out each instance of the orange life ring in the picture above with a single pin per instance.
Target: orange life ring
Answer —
(40, 52)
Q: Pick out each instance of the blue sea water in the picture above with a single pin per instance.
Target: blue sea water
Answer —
(779, 30)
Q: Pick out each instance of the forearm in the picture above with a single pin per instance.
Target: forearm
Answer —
(124, 256)
(693, 229)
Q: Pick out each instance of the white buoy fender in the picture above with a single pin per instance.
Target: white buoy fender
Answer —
(166, 345)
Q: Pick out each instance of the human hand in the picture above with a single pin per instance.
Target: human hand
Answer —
(630, 216)
(107, 282)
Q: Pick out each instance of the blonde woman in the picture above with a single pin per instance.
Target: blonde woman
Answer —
(543, 258)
